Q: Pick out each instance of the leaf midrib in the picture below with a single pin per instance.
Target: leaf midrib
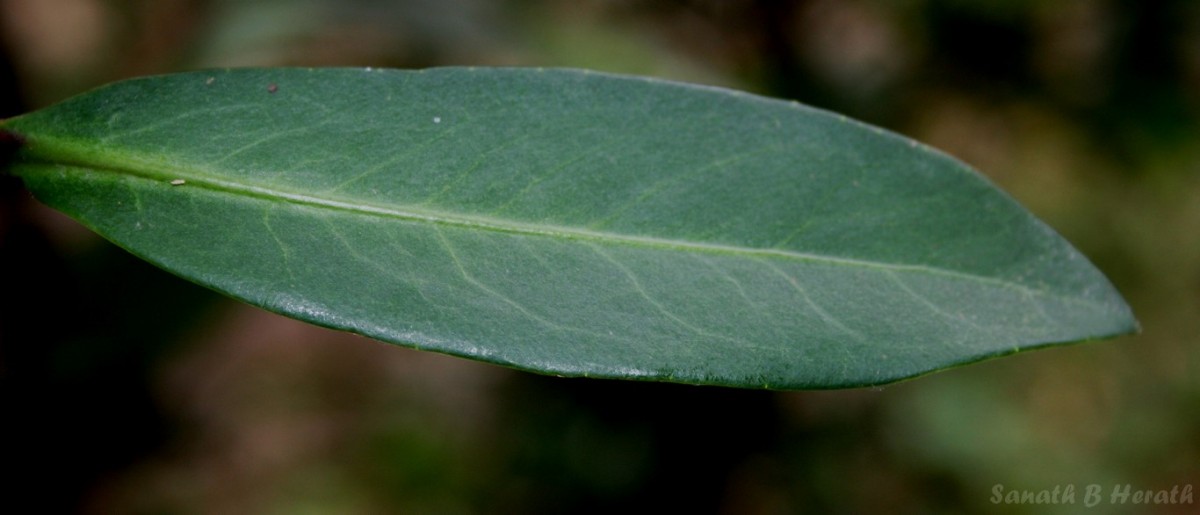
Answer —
(65, 152)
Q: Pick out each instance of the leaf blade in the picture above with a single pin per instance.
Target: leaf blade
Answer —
(570, 223)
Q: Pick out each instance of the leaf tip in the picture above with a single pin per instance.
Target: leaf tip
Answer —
(10, 143)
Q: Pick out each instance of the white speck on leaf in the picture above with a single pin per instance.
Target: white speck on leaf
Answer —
(437, 119)
(178, 182)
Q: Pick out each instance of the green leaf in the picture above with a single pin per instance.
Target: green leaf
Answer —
(569, 222)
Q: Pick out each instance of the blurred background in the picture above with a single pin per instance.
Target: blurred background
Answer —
(126, 390)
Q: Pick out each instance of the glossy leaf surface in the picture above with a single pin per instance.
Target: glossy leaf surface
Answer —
(569, 222)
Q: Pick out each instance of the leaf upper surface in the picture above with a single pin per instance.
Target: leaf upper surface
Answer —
(569, 222)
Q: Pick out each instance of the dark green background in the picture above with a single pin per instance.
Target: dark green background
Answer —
(126, 390)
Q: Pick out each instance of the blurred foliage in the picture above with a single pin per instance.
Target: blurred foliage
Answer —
(126, 390)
